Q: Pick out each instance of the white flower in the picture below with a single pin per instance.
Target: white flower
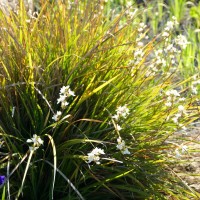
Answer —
(169, 25)
(121, 146)
(169, 47)
(129, 3)
(36, 140)
(173, 61)
(178, 115)
(175, 20)
(140, 44)
(142, 26)
(165, 34)
(194, 90)
(66, 91)
(172, 56)
(64, 104)
(168, 104)
(158, 52)
(61, 99)
(123, 111)
(94, 155)
(98, 151)
(57, 116)
(181, 40)
(126, 151)
(138, 53)
(175, 120)
(71, 93)
(181, 99)
(118, 127)
(173, 93)
(115, 117)
(181, 108)
(153, 68)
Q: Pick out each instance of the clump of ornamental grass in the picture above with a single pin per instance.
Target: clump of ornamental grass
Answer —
(87, 105)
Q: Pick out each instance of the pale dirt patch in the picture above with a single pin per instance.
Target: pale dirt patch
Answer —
(189, 169)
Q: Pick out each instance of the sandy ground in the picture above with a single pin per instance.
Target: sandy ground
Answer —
(189, 169)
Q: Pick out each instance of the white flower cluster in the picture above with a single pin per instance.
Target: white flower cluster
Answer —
(152, 70)
(194, 86)
(122, 146)
(172, 52)
(129, 3)
(159, 57)
(142, 35)
(139, 53)
(171, 97)
(130, 11)
(118, 127)
(169, 27)
(141, 27)
(181, 40)
(57, 116)
(180, 113)
(158, 61)
(65, 93)
(36, 140)
(122, 111)
(94, 155)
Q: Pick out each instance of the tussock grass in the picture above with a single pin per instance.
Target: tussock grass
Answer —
(79, 46)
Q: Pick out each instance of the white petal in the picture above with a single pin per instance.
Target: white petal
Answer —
(29, 140)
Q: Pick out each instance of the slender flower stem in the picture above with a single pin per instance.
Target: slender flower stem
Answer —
(26, 170)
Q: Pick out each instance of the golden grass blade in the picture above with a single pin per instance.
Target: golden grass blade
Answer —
(54, 161)
(86, 96)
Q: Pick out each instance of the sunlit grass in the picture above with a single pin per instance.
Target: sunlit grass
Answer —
(98, 98)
